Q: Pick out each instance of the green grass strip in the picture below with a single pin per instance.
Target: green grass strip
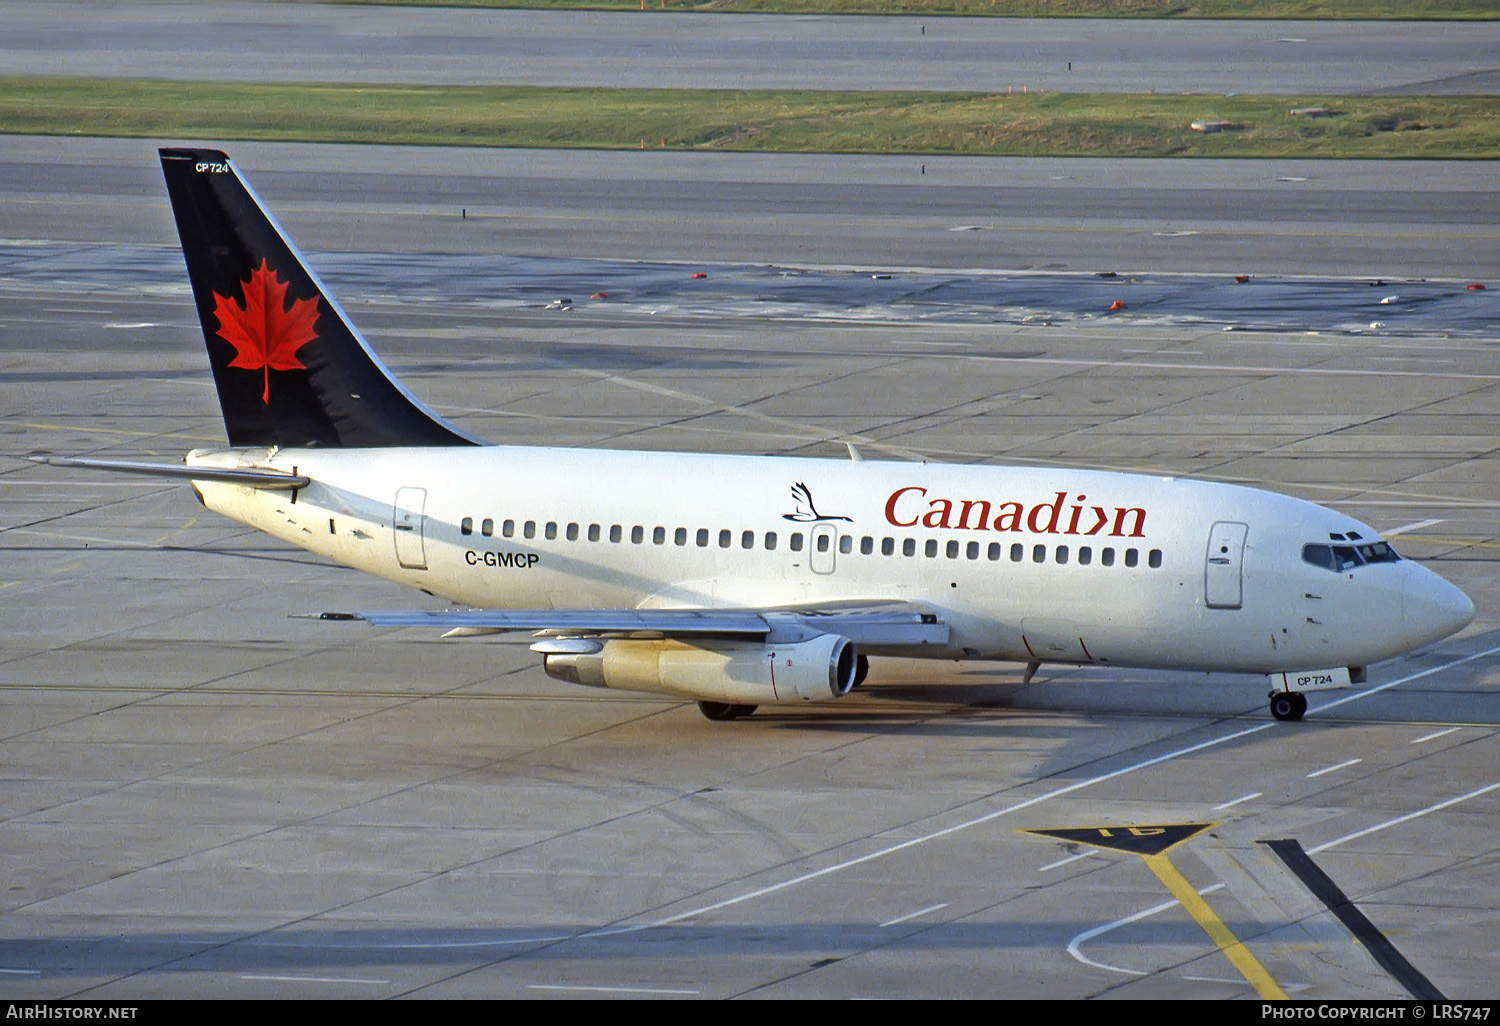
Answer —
(1050, 124)
(1346, 10)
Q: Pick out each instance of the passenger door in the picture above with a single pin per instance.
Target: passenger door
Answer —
(408, 521)
(1222, 571)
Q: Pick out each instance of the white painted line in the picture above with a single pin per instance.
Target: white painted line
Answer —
(1330, 769)
(65, 483)
(988, 817)
(1075, 945)
(913, 915)
(1070, 858)
(1017, 807)
(1402, 819)
(272, 942)
(1434, 736)
(22, 972)
(1222, 368)
(1236, 801)
(610, 990)
(310, 979)
(1409, 527)
(1407, 679)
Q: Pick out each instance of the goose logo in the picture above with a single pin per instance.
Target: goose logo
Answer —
(806, 512)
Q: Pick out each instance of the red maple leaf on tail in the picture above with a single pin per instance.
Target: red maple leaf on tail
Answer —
(265, 333)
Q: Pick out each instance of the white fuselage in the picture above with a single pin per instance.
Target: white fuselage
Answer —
(1026, 564)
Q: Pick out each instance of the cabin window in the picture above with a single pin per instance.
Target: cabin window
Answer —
(487, 527)
(616, 532)
(528, 529)
(1107, 557)
(796, 541)
(887, 546)
(972, 550)
(1085, 555)
(747, 540)
(822, 543)
(1153, 559)
(724, 536)
(637, 534)
(551, 530)
(466, 525)
(1062, 554)
(866, 545)
(659, 536)
(908, 547)
(846, 543)
(1039, 554)
(1017, 552)
(679, 536)
(593, 532)
(931, 548)
(572, 532)
(702, 538)
(1131, 557)
(770, 541)
(508, 528)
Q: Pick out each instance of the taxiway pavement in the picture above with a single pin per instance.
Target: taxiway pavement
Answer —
(1411, 219)
(204, 797)
(654, 49)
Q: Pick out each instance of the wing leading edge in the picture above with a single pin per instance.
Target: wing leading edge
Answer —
(886, 625)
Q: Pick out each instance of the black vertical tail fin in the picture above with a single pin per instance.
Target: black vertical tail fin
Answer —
(290, 368)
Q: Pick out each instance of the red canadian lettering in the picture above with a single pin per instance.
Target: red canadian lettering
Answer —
(1140, 523)
(968, 506)
(1073, 523)
(1055, 506)
(937, 513)
(1010, 516)
(1055, 517)
(890, 506)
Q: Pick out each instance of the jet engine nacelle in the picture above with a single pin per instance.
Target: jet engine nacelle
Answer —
(733, 672)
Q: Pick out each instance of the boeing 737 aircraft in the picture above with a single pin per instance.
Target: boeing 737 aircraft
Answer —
(770, 579)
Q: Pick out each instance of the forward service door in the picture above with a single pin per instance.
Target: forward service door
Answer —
(1222, 570)
(408, 520)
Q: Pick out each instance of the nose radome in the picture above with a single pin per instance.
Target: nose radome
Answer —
(1433, 608)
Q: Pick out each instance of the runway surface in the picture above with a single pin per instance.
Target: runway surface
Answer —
(1355, 219)
(341, 43)
(204, 797)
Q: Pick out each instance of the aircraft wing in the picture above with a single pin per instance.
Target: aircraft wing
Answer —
(882, 624)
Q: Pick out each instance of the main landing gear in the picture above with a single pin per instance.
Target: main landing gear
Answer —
(719, 711)
(1288, 705)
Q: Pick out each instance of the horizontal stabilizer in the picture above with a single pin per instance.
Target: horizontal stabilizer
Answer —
(253, 478)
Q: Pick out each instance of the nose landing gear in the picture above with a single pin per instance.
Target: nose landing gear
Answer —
(1288, 705)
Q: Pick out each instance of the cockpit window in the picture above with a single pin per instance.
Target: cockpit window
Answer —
(1378, 552)
(1339, 558)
